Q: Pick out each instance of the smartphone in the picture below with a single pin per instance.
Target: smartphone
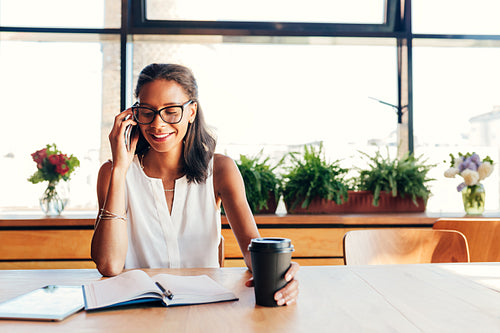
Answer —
(128, 134)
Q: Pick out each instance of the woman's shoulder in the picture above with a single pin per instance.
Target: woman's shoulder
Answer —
(223, 163)
(227, 177)
(106, 167)
(225, 169)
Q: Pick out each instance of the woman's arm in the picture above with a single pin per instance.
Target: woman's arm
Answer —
(110, 239)
(230, 189)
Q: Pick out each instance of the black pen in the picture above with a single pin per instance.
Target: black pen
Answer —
(165, 292)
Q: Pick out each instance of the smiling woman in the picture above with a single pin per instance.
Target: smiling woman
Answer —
(160, 202)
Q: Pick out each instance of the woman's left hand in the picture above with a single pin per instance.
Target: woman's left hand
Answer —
(289, 293)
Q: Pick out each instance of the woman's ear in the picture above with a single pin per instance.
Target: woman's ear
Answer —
(193, 109)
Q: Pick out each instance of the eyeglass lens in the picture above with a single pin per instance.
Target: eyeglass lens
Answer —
(171, 114)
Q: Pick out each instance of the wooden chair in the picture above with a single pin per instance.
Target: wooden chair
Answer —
(483, 236)
(404, 246)
(221, 251)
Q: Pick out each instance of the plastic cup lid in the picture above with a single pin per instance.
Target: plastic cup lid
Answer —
(270, 244)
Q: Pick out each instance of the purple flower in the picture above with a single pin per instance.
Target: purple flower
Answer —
(467, 164)
(462, 166)
(461, 187)
(476, 159)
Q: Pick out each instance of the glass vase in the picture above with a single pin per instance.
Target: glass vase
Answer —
(473, 198)
(55, 198)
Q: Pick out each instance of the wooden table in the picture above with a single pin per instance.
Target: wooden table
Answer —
(396, 298)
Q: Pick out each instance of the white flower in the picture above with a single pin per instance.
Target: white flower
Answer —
(451, 172)
(457, 161)
(470, 177)
(485, 170)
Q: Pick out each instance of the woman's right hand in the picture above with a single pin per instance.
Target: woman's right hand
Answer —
(121, 156)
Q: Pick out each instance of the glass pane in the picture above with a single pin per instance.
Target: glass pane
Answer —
(290, 93)
(332, 11)
(456, 109)
(54, 92)
(61, 13)
(456, 17)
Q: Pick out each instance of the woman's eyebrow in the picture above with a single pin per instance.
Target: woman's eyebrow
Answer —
(162, 106)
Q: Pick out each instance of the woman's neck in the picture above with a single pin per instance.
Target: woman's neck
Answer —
(168, 165)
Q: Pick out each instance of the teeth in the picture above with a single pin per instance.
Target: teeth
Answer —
(160, 136)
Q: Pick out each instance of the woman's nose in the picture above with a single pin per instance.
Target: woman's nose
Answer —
(157, 121)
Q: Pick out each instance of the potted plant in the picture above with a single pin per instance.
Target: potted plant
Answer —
(311, 184)
(262, 185)
(394, 185)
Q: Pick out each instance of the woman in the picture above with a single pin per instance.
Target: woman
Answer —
(160, 198)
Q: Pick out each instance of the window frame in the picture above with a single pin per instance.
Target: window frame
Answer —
(139, 24)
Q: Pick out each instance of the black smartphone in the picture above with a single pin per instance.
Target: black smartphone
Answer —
(128, 134)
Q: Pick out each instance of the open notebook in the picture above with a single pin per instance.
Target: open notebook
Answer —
(137, 286)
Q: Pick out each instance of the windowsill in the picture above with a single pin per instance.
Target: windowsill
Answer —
(86, 219)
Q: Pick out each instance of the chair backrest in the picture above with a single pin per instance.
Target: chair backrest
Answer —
(221, 251)
(404, 246)
(483, 236)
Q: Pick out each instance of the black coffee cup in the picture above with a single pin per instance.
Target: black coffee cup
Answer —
(270, 261)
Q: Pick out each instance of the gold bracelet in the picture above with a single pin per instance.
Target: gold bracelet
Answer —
(107, 215)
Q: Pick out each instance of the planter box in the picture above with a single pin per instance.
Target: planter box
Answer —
(272, 204)
(361, 202)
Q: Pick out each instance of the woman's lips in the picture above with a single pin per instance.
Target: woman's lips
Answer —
(160, 137)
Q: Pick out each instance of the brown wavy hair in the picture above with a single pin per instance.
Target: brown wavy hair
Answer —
(199, 142)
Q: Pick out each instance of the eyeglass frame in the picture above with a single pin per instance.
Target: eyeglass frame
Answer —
(158, 112)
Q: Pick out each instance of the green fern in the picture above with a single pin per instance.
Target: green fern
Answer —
(310, 177)
(406, 176)
(260, 180)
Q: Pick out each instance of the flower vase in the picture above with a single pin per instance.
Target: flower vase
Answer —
(473, 198)
(55, 198)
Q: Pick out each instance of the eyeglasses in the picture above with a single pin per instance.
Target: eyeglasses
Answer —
(169, 114)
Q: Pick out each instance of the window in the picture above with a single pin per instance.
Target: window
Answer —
(459, 17)
(60, 13)
(287, 94)
(332, 11)
(310, 73)
(52, 92)
(456, 85)
(59, 69)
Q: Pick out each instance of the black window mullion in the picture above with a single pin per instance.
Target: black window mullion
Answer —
(125, 7)
(259, 29)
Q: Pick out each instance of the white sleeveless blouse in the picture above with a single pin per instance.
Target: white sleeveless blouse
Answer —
(189, 237)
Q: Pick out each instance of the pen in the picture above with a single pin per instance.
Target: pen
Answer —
(165, 292)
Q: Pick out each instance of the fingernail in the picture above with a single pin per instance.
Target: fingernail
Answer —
(278, 297)
(281, 302)
(288, 277)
